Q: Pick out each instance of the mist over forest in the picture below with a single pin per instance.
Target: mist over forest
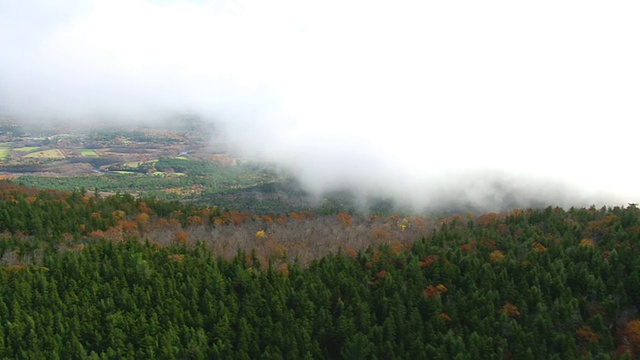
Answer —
(211, 179)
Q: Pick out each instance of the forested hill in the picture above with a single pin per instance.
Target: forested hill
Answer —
(119, 277)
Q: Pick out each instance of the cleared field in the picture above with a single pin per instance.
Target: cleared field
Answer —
(135, 164)
(4, 152)
(160, 173)
(88, 152)
(46, 154)
(26, 149)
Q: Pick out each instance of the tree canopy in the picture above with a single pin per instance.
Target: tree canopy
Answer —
(86, 277)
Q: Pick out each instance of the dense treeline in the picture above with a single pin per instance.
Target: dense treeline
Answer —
(33, 217)
(529, 284)
(204, 182)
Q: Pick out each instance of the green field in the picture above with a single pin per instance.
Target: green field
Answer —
(133, 164)
(4, 152)
(47, 154)
(88, 152)
(181, 158)
(26, 149)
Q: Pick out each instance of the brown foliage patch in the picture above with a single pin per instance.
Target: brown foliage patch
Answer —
(468, 248)
(487, 219)
(431, 291)
(283, 269)
(381, 275)
(351, 252)
(539, 248)
(176, 257)
(586, 334)
(181, 237)
(428, 260)
(633, 332)
(510, 310)
(345, 219)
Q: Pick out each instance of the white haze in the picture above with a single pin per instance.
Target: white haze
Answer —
(479, 102)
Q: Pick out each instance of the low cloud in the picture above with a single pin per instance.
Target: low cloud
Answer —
(492, 104)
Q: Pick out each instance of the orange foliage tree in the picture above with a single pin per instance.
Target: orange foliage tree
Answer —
(195, 220)
(345, 219)
(431, 291)
(487, 219)
(181, 237)
(468, 248)
(351, 252)
(427, 260)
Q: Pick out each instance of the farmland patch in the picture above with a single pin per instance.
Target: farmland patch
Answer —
(4, 153)
(88, 152)
(46, 154)
(26, 148)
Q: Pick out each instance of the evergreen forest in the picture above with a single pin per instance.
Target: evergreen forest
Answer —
(85, 276)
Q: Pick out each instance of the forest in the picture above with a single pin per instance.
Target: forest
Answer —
(124, 277)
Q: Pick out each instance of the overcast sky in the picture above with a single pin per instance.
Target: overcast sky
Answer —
(422, 100)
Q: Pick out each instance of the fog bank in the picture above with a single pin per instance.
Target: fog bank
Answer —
(492, 103)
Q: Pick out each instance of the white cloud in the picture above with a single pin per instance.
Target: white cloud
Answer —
(409, 95)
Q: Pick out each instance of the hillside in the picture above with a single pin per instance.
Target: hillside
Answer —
(178, 162)
(87, 276)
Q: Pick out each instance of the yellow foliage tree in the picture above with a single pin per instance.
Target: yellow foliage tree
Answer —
(587, 243)
(496, 256)
(118, 214)
(403, 224)
(537, 247)
(142, 219)
(276, 250)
